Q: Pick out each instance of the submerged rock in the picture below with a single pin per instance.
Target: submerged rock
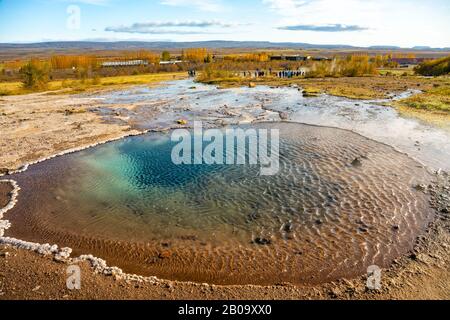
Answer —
(357, 162)
(420, 187)
(288, 227)
(262, 241)
(165, 254)
(284, 116)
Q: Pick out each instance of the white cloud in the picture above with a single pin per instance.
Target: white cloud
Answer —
(286, 7)
(326, 11)
(91, 2)
(388, 22)
(189, 23)
(171, 27)
(323, 28)
(203, 5)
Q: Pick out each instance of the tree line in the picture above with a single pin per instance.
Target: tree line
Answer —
(37, 72)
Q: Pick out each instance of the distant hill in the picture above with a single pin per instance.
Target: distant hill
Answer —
(166, 45)
(99, 45)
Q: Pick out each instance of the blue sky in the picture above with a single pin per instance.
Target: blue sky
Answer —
(356, 22)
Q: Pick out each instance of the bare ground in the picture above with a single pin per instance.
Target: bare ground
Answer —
(422, 275)
(38, 125)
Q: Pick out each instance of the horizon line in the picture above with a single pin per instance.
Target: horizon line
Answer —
(312, 45)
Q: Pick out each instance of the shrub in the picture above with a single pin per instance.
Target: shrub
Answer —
(165, 56)
(35, 75)
(196, 55)
(96, 80)
(211, 74)
(351, 66)
(436, 67)
(65, 83)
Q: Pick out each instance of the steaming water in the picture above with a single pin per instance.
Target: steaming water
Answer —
(186, 99)
(321, 217)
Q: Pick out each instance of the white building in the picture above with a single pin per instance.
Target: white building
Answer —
(125, 63)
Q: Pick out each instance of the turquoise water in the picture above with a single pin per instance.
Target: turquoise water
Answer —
(143, 181)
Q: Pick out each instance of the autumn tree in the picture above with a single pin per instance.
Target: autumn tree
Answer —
(165, 56)
(141, 55)
(251, 57)
(196, 55)
(349, 66)
(35, 74)
(73, 61)
(356, 66)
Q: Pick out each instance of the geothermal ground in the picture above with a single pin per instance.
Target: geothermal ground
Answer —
(38, 126)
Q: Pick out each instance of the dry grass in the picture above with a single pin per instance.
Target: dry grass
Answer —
(431, 106)
(74, 86)
(353, 92)
(436, 99)
(435, 118)
(396, 71)
(311, 91)
(375, 87)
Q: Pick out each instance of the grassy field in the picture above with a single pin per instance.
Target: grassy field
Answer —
(396, 71)
(432, 105)
(74, 86)
(311, 87)
(436, 99)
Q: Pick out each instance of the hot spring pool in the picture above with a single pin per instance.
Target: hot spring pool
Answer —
(320, 218)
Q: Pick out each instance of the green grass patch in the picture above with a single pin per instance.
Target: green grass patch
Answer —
(311, 91)
(436, 99)
(396, 72)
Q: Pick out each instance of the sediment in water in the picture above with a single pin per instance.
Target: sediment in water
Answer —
(150, 253)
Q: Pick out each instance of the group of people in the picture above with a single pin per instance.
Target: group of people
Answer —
(258, 73)
(262, 73)
(280, 74)
(290, 73)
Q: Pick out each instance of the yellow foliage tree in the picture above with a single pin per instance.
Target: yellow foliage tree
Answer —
(196, 55)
